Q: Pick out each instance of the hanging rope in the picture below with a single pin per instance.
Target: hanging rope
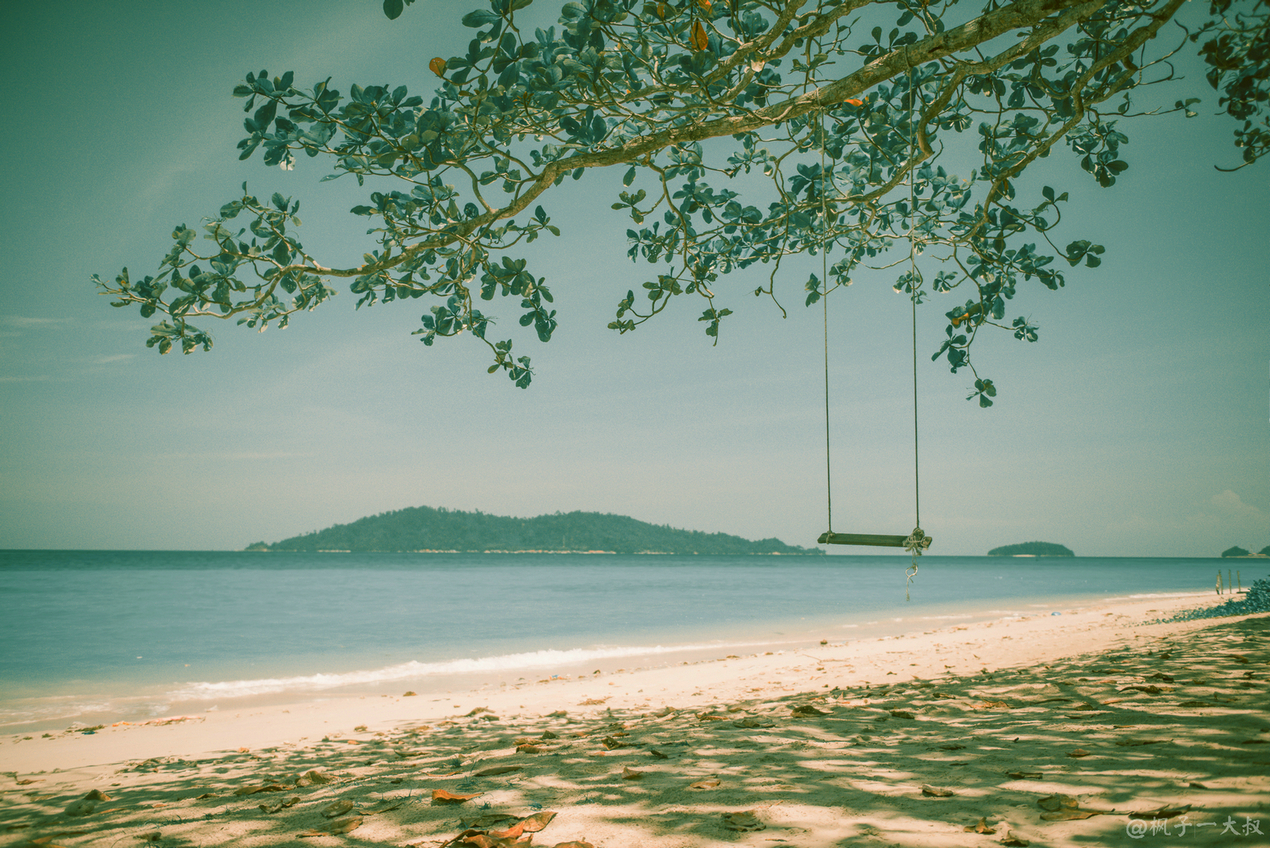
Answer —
(824, 275)
(917, 541)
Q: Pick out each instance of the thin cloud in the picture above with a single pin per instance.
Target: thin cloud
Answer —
(24, 321)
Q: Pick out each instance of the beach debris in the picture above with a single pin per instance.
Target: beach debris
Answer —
(807, 710)
(1165, 812)
(488, 821)
(558, 714)
(1064, 808)
(658, 755)
(980, 826)
(902, 714)
(385, 807)
(497, 770)
(936, 791)
(1148, 688)
(754, 721)
(663, 712)
(529, 824)
(255, 788)
(1077, 753)
(591, 702)
(711, 717)
(337, 808)
(441, 797)
(27, 781)
(743, 822)
(1137, 743)
(611, 744)
(1013, 840)
(631, 774)
(1025, 775)
(484, 836)
(528, 748)
(86, 805)
(410, 693)
(708, 783)
(991, 705)
(281, 805)
(311, 777)
(335, 828)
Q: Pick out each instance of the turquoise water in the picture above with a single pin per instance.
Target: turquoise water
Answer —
(90, 636)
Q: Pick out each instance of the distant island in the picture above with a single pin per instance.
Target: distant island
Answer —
(1242, 552)
(1038, 549)
(424, 528)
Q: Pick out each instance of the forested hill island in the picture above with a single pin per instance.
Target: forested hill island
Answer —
(1036, 549)
(423, 528)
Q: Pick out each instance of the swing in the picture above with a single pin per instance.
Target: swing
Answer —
(917, 541)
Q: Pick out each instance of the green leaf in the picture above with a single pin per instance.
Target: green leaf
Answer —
(393, 9)
(479, 18)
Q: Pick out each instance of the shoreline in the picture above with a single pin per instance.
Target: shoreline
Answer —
(283, 718)
(155, 703)
(930, 738)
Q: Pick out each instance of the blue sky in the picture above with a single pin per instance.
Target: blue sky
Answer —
(1137, 426)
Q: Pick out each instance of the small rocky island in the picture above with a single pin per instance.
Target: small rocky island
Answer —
(1033, 549)
(1244, 552)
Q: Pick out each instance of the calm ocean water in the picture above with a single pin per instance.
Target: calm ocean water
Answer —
(95, 636)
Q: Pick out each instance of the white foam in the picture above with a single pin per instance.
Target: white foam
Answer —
(414, 669)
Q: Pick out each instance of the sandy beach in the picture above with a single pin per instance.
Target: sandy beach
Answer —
(1087, 727)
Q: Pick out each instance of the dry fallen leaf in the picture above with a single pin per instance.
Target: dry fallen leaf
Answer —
(1025, 775)
(743, 821)
(631, 774)
(496, 770)
(1165, 812)
(709, 783)
(1134, 743)
(337, 808)
(936, 791)
(1063, 808)
(441, 797)
(1013, 840)
(334, 828)
(529, 824)
(1057, 802)
(808, 710)
(902, 714)
(281, 805)
(610, 743)
(1077, 753)
(980, 826)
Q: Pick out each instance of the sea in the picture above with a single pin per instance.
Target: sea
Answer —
(91, 637)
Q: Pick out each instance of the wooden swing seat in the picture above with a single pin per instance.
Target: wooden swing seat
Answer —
(867, 539)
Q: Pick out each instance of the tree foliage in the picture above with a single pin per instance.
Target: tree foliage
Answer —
(747, 132)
